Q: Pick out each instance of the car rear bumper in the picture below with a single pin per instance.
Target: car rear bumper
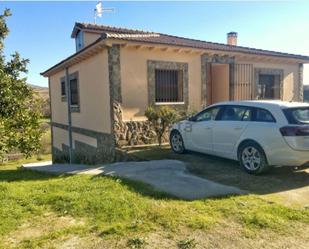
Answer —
(286, 156)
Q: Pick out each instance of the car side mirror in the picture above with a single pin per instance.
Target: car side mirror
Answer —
(192, 118)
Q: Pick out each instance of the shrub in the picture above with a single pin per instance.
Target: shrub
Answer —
(187, 114)
(161, 118)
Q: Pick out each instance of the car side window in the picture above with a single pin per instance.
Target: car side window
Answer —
(236, 113)
(247, 115)
(207, 115)
(262, 115)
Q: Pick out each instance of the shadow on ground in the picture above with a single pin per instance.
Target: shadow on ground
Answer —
(16, 175)
(227, 172)
(230, 173)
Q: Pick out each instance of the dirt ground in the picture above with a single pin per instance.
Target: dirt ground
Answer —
(228, 235)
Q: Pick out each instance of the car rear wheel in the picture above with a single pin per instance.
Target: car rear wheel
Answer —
(176, 142)
(252, 158)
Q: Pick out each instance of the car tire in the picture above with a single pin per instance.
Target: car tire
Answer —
(177, 143)
(252, 158)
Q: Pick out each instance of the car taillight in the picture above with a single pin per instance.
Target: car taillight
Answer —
(288, 131)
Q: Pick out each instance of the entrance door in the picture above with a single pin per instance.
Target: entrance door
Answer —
(219, 82)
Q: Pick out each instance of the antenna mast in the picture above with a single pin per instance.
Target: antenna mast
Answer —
(98, 11)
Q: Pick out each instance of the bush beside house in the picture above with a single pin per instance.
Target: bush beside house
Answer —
(161, 119)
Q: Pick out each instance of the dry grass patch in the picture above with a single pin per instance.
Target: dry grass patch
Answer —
(39, 228)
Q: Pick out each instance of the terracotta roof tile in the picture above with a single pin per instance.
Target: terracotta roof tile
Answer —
(105, 28)
(159, 38)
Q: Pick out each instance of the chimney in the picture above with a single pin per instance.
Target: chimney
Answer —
(232, 38)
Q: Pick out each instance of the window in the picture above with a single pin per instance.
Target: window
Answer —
(207, 115)
(261, 115)
(298, 115)
(247, 115)
(74, 101)
(268, 86)
(74, 92)
(235, 113)
(63, 91)
(79, 41)
(168, 85)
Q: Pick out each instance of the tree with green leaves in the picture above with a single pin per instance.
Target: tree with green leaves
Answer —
(19, 110)
(161, 118)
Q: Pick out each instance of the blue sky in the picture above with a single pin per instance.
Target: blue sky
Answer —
(41, 31)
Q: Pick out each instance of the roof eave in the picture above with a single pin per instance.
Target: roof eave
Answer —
(298, 58)
(103, 39)
(77, 26)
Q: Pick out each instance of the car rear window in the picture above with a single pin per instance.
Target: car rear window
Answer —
(299, 115)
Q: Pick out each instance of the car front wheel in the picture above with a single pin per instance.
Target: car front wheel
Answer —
(176, 142)
(252, 158)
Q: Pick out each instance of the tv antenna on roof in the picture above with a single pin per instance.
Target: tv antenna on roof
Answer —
(98, 11)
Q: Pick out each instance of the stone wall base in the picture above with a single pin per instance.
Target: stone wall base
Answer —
(136, 133)
(91, 158)
(83, 152)
(130, 133)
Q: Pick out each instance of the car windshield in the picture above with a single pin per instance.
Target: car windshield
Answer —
(298, 115)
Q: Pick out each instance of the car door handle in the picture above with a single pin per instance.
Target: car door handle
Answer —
(207, 128)
(237, 128)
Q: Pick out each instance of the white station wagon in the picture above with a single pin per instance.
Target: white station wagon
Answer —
(258, 134)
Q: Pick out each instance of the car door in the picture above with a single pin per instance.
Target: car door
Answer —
(228, 127)
(199, 133)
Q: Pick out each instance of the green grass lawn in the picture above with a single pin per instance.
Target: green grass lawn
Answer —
(45, 211)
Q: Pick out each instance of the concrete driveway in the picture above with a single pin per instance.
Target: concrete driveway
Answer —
(286, 185)
(170, 176)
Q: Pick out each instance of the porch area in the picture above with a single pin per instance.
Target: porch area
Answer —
(224, 79)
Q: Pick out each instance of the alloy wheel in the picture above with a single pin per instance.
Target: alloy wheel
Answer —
(177, 142)
(251, 158)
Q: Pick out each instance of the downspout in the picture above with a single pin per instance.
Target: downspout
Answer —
(51, 119)
(68, 87)
(301, 82)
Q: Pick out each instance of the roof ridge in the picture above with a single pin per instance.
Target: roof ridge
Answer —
(227, 45)
(101, 26)
(136, 35)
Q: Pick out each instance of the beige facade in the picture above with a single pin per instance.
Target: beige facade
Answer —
(116, 72)
(60, 137)
(134, 78)
(90, 37)
(135, 87)
(94, 114)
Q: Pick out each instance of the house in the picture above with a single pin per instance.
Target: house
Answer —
(116, 73)
(306, 93)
